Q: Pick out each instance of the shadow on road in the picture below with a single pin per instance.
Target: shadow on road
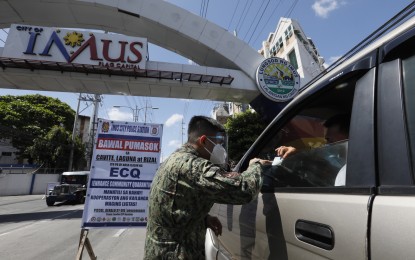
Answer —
(46, 215)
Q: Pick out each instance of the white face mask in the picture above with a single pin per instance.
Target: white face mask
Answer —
(218, 154)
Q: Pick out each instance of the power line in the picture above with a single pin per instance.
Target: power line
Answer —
(203, 8)
(233, 15)
(206, 9)
(256, 26)
(256, 15)
(292, 8)
(270, 16)
(243, 16)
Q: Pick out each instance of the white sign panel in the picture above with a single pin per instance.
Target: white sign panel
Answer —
(125, 159)
(75, 46)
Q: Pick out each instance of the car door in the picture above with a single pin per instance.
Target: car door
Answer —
(300, 213)
(392, 223)
(320, 220)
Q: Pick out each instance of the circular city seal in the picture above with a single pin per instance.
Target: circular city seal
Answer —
(277, 79)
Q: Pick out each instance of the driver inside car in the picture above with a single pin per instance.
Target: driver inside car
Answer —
(336, 130)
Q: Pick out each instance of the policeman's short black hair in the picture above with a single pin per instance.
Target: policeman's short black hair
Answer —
(203, 125)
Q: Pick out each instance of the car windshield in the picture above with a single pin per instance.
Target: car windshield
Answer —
(74, 179)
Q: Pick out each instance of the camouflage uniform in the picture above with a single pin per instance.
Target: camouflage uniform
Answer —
(182, 193)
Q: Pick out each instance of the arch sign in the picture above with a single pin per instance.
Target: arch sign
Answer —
(72, 46)
(277, 79)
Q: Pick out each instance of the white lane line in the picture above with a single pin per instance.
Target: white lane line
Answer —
(35, 223)
(4, 234)
(119, 233)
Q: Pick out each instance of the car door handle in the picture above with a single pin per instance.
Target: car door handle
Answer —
(316, 234)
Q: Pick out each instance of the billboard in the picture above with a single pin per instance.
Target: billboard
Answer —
(47, 44)
(125, 159)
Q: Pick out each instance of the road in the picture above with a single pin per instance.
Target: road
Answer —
(31, 230)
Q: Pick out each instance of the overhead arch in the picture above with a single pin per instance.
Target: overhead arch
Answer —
(218, 52)
(162, 23)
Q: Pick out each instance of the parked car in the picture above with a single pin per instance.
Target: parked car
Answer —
(72, 188)
(300, 213)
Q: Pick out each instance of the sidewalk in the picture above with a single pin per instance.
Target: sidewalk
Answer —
(4, 200)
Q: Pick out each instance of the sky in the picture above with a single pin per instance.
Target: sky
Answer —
(335, 26)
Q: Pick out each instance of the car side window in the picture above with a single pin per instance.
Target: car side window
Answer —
(317, 139)
(408, 66)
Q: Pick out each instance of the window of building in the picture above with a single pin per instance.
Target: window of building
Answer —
(6, 154)
(293, 59)
(280, 43)
(288, 32)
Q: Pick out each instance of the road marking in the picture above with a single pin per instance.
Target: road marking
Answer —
(63, 215)
(4, 234)
(119, 233)
(41, 221)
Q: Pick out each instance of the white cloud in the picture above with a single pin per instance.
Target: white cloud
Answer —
(322, 8)
(116, 114)
(175, 143)
(331, 60)
(173, 119)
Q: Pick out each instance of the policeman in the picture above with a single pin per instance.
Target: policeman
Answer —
(185, 188)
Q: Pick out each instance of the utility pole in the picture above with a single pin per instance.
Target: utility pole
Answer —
(74, 134)
(182, 130)
(92, 127)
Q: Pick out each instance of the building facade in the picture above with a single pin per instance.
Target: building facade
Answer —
(289, 42)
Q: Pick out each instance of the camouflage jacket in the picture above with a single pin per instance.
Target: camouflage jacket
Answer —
(182, 193)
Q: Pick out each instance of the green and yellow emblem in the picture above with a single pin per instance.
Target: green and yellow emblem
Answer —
(277, 79)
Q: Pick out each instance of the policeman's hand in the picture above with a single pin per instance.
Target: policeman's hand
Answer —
(285, 151)
(214, 224)
(263, 162)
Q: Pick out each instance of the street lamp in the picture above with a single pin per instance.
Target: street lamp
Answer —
(136, 111)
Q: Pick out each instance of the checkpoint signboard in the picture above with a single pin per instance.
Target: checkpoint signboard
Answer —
(125, 159)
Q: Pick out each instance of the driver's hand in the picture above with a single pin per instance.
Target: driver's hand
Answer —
(285, 151)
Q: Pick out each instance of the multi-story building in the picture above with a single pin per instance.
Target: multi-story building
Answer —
(289, 42)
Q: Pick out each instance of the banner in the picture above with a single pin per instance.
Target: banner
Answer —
(126, 156)
(41, 43)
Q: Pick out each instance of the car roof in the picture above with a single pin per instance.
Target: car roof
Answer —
(360, 51)
(76, 173)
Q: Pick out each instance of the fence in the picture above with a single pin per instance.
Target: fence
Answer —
(25, 184)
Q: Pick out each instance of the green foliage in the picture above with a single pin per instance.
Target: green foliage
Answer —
(53, 149)
(31, 122)
(243, 129)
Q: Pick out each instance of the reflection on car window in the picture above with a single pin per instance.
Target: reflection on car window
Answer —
(318, 167)
(409, 94)
(317, 137)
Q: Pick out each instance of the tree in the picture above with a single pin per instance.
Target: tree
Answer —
(243, 129)
(53, 149)
(25, 118)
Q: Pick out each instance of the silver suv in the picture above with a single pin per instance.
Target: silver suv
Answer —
(302, 211)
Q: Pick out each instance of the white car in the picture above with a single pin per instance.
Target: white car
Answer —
(302, 211)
